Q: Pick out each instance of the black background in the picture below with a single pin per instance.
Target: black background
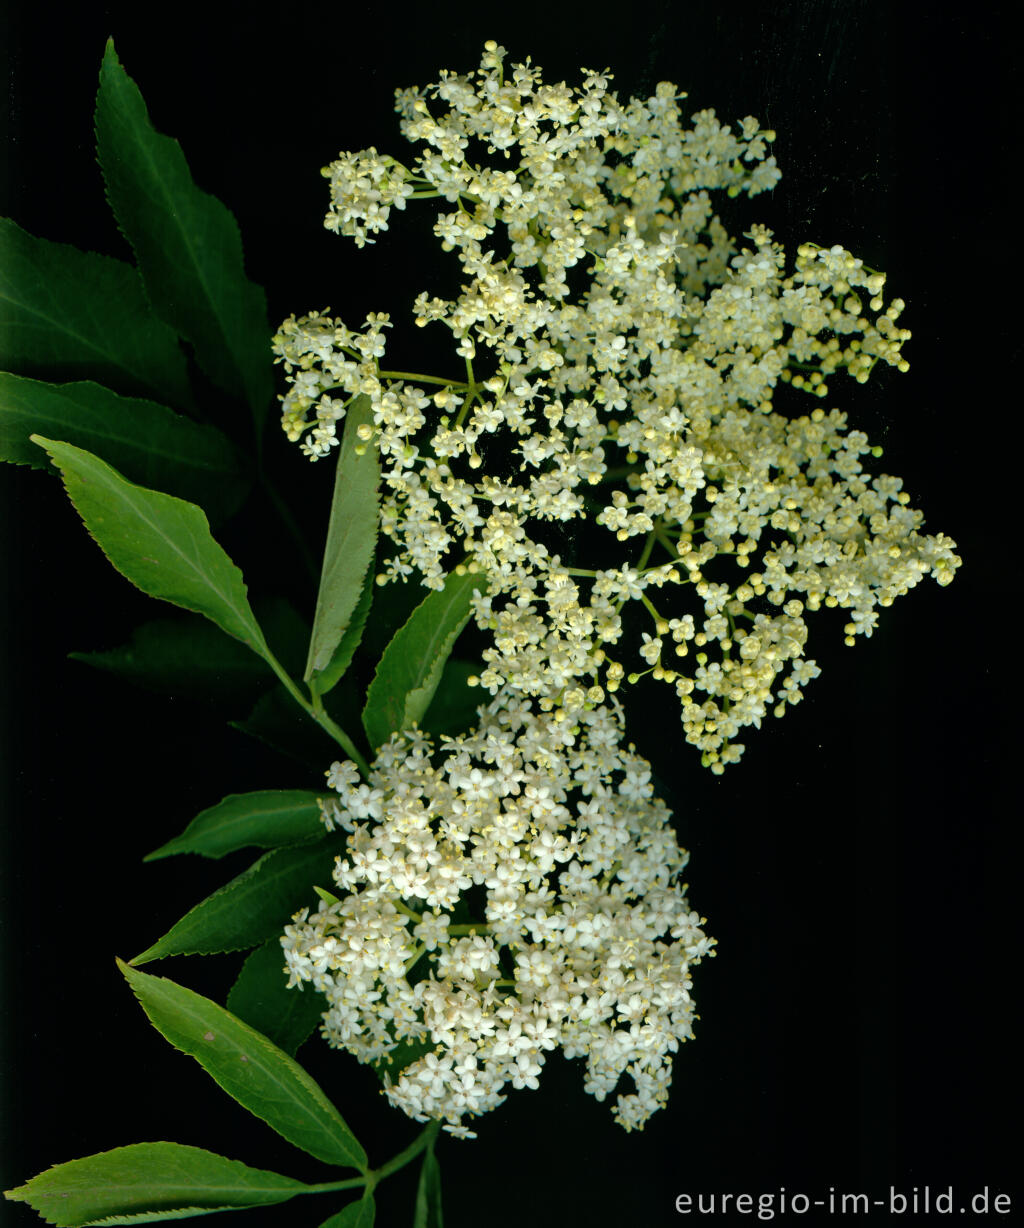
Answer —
(858, 1027)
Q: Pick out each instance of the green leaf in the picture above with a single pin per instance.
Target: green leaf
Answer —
(410, 669)
(253, 907)
(261, 998)
(391, 608)
(453, 710)
(278, 722)
(147, 1182)
(257, 1074)
(404, 1053)
(359, 1214)
(188, 656)
(148, 443)
(183, 656)
(161, 544)
(351, 639)
(70, 315)
(428, 1194)
(186, 243)
(351, 539)
(267, 819)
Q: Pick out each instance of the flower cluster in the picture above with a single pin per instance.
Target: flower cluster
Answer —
(622, 353)
(507, 893)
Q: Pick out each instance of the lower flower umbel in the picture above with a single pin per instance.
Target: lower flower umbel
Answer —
(509, 892)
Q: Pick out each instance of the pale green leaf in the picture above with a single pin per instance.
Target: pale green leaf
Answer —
(186, 243)
(261, 998)
(267, 819)
(253, 907)
(148, 443)
(410, 669)
(70, 315)
(351, 639)
(161, 544)
(252, 1070)
(149, 1181)
(351, 539)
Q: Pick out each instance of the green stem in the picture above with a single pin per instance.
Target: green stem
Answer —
(648, 547)
(650, 607)
(414, 958)
(422, 379)
(328, 1187)
(663, 538)
(614, 472)
(316, 711)
(423, 1140)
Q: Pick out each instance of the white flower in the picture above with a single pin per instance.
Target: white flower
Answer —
(584, 942)
(637, 391)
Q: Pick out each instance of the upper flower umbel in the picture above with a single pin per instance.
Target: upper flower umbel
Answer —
(622, 358)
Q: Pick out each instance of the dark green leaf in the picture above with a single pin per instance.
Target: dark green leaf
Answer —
(263, 1079)
(162, 544)
(184, 656)
(286, 631)
(391, 608)
(150, 1181)
(410, 669)
(186, 243)
(351, 539)
(267, 819)
(453, 710)
(190, 657)
(262, 999)
(149, 443)
(253, 907)
(278, 722)
(405, 1052)
(428, 1195)
(359, 1214)
(69, 314)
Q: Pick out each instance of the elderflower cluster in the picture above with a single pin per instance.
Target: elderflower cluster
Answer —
(622, 353)
(507, 893)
